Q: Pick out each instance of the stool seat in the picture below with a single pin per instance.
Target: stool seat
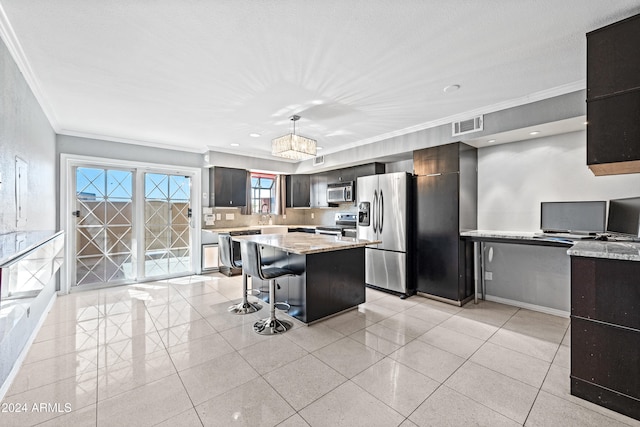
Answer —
(225, 246)
(251, 261)
(274, 272)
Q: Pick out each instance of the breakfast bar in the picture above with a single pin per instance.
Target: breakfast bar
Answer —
(329, 272)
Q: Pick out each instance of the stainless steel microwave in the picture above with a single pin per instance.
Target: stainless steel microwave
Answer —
(340, 192)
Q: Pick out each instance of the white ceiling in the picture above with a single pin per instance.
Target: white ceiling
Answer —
(200, 75)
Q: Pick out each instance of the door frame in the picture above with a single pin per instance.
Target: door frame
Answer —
(67, 199)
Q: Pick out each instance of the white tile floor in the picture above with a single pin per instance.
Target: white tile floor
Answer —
(168, 353)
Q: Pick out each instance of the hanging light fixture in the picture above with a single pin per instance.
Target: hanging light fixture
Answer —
(292, 146)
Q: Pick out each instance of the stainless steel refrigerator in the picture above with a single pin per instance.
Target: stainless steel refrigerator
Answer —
(385, 213)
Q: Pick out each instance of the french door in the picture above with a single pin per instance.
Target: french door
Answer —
(130, 225)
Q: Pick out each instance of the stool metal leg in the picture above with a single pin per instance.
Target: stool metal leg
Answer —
(244, 307)
(272, 325)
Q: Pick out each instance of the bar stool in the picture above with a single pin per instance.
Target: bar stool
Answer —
(252, 264)
(225, 245)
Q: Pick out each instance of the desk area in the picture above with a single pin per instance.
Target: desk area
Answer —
(329, 272)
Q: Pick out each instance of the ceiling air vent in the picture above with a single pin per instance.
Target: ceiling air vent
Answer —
(319, 160)
(467, 126)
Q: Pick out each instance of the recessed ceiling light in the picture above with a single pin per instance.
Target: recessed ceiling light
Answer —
(535, 132)
(491, 141)
(451, 88)
(319, 148)
(255, 135)
(235, 144)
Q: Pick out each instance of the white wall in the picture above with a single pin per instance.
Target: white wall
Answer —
(514, 178)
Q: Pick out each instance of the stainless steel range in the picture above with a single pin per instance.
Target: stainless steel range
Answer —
(345, 225)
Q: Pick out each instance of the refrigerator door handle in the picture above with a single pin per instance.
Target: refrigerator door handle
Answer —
(381, 212)
(374, 209)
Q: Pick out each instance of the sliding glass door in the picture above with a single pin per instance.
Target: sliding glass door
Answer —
(130, 225)
(167, 212)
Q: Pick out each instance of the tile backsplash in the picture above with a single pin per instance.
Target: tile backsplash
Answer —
(315, 216)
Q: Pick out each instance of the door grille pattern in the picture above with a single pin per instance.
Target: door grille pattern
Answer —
(104, 199)
(167, 214)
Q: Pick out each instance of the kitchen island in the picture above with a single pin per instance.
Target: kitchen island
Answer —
(329, 272)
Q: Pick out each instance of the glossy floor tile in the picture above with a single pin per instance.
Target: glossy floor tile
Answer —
(168, 353)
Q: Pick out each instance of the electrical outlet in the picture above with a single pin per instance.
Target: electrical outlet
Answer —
(218, 217)
(312, 215)
(284, 216)
(229, 217)
(488, 275)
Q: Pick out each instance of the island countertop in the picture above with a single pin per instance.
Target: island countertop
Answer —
(305, 243)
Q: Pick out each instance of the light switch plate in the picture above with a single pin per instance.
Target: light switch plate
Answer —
(218, 217)
(229, 217)
(488, 275)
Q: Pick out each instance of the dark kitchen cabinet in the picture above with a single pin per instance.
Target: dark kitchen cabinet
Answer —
(298, 191)
(434, 160)
(612, 58)
(605, 333)
(319, 183)
(445, 203)
(230, 187)
(613, 98)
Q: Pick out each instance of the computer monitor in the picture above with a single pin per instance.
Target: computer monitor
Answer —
(624, 216)
(573, 217)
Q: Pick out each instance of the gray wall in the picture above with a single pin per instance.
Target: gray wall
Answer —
(25, 132)
(121, 151)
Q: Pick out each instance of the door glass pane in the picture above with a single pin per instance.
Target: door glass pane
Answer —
(167, 232)
(104, 225)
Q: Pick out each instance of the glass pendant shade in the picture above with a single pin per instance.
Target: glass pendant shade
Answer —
(293, 147)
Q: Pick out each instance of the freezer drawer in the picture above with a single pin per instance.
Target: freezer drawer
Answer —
(386, 269)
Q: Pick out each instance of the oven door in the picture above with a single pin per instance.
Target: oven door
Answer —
(329, 232)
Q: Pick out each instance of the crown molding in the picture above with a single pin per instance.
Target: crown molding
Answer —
(153, 144)
(15, 50)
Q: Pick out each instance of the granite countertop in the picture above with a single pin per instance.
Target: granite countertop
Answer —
(255, 227)
(524, 236)
(627, 251)
(305, 243)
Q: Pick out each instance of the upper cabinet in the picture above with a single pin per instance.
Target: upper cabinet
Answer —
(613, 98)
(437, 160)
(229, 187)
(319, 183)
(298, 191)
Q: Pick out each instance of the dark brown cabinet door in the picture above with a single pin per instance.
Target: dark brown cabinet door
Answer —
(440, 159)
(613, 132)
(437, 236)
(230, 187)
(613, 63)
(298, 191)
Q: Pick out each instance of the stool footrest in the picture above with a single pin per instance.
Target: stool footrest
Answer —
(272, 326)
(244, 308)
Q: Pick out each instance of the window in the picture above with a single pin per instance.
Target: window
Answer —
(263, 193)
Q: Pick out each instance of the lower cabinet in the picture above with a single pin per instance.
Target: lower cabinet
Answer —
(605, 333)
